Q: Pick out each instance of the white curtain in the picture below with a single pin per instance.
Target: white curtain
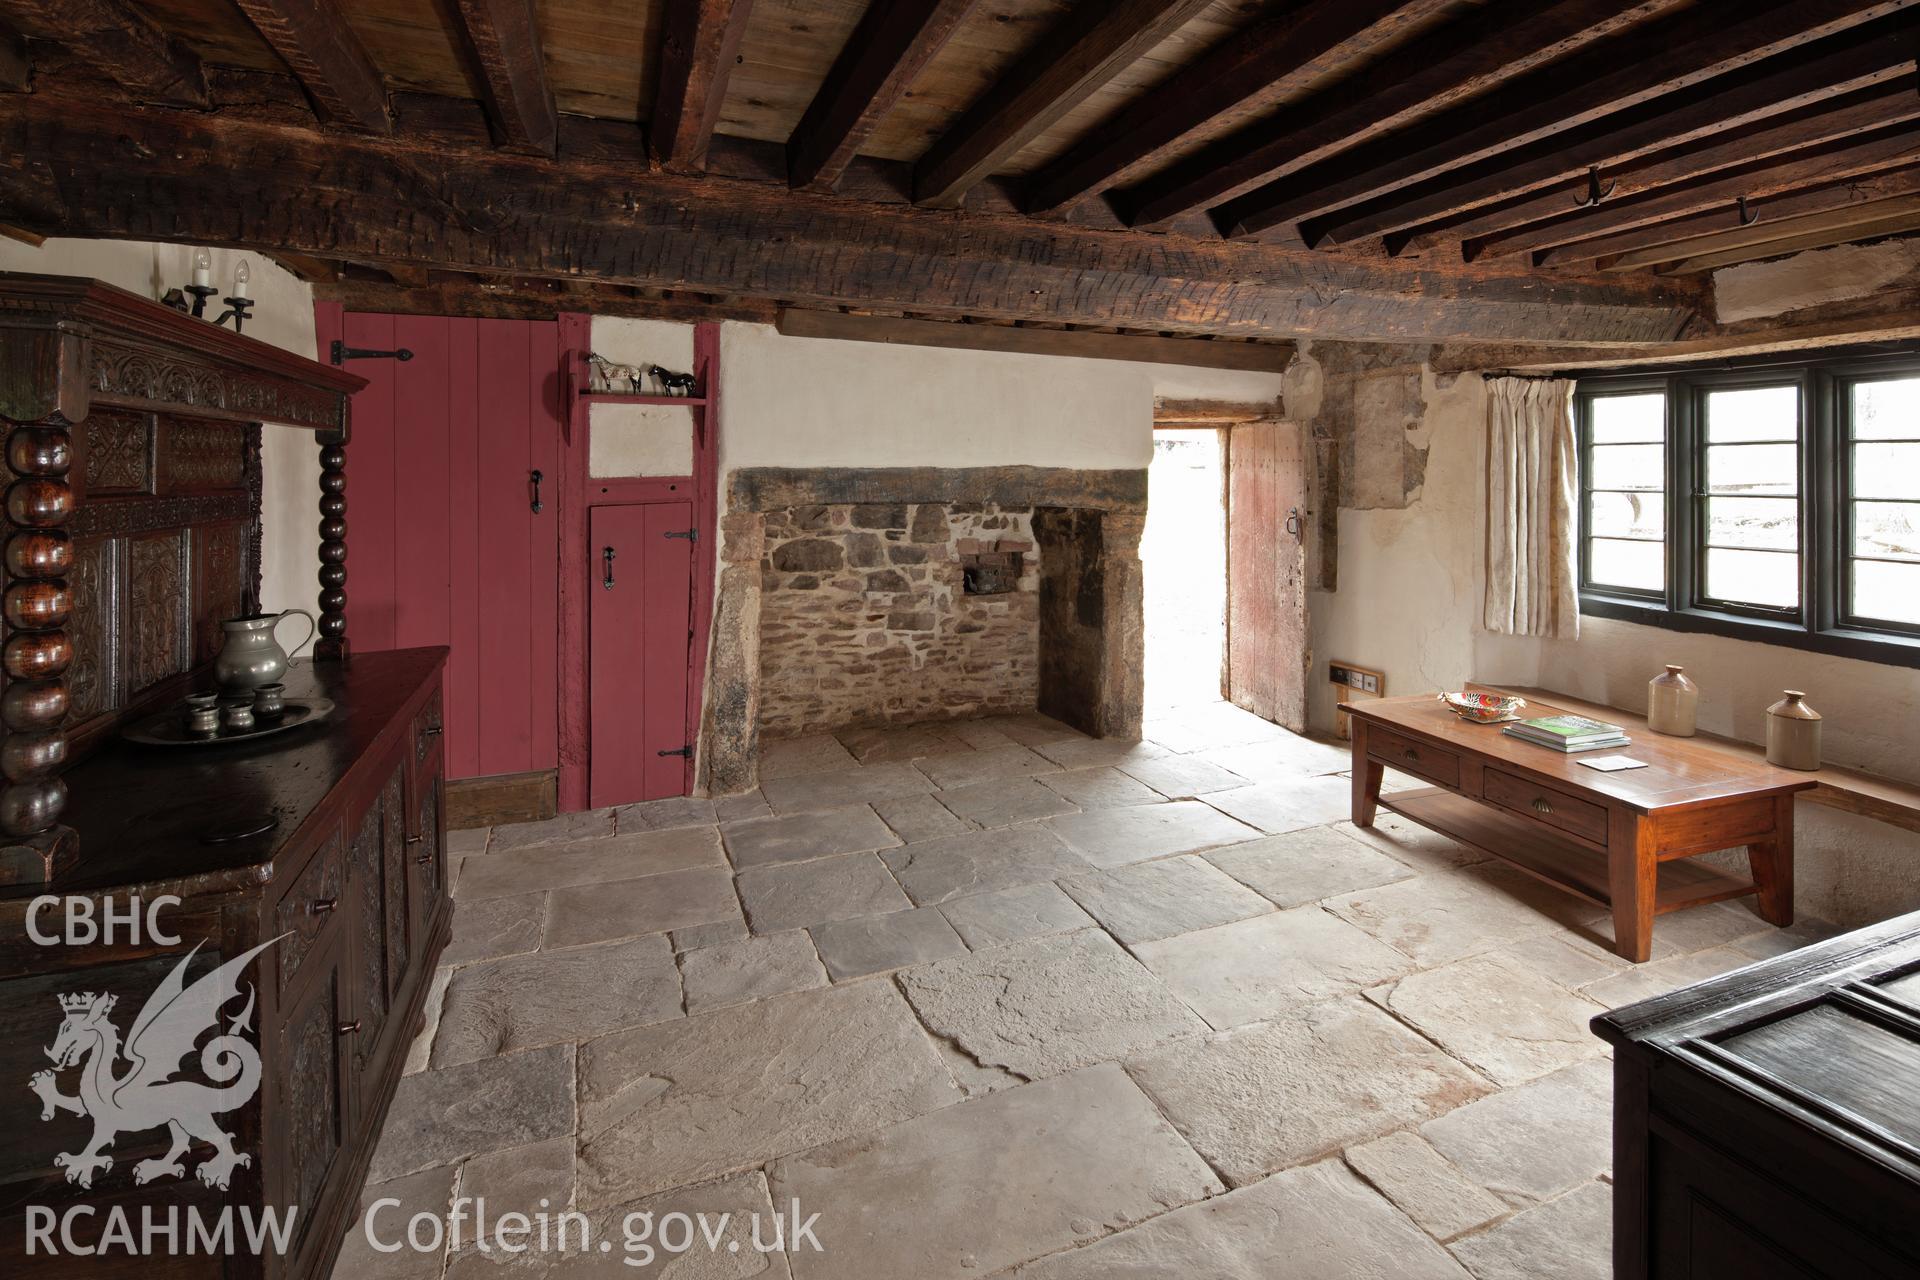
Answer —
(1532, 573)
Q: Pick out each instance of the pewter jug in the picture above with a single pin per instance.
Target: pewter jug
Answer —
(251, 656)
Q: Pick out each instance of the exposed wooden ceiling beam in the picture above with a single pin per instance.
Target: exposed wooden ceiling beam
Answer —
(32, 238)
(1766, 230)
(144, 174)
(1456, 62)
(16, 66)
(505, 298)
(1848, 82)
(1605, 250)
(1893, 224)
(1849, 114)
(307, 268)
(1243, 74)
(315, 41)
(1815, 166)
(504, 41)
(120, 43)
(1202, 353)
(886, 53)
(698, 44)
(1663, 57)
(1091, 45)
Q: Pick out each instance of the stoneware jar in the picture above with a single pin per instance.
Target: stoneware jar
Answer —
(1672, 700)
(251, 656)
(1793, 733)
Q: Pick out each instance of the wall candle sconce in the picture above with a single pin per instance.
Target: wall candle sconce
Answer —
(239, 305)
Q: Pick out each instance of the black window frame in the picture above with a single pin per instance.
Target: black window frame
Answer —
(1821, 622)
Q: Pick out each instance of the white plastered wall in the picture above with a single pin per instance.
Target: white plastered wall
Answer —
(283, 316)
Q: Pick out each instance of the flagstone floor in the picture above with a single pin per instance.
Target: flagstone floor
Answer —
(994, 998)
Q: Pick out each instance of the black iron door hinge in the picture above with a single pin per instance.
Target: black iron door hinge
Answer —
(342, 353)
(686, 751)
(691, 535)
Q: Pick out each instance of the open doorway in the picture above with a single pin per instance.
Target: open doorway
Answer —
(1183, 552)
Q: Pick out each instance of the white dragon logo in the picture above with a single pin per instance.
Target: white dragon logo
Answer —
(145, 1096)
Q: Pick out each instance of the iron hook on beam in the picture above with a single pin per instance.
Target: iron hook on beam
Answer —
(1748, 215)
(1594, 193)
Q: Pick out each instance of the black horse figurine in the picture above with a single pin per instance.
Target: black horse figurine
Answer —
(673, 384)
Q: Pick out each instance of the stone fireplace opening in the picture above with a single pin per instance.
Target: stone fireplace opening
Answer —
(854, 598)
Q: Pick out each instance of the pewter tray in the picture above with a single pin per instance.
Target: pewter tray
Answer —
(166, 729)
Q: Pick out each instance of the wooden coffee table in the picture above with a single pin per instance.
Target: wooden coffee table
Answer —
(1619, 840)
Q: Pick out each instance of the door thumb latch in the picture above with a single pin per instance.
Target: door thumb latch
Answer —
(606, 566)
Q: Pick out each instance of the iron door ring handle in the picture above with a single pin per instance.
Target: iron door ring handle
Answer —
(533, 477)
(1293, 521)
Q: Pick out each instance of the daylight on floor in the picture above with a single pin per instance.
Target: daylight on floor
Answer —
(924, 640)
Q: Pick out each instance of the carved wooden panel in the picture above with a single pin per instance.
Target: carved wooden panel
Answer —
(177, 379)
(370, 919)
(116, 454)
(90, 680)
(315, 1098)
(221, 581)
(200, 456)
(393, 858)
(156, 609)
(303, 913)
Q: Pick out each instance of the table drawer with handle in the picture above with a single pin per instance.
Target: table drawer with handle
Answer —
(1544, 804)
(1435, 764)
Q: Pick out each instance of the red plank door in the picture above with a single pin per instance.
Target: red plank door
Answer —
(639, 637)
(1266, 572)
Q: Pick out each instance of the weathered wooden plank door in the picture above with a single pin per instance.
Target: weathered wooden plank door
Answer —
(444, 546)
(1267, 652)
(639, 635)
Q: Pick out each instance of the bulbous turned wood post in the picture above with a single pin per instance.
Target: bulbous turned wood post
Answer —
(37, 604)
(332, 644)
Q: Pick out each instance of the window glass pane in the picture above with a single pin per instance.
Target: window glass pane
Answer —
(1615, 563)
(1888, 410)
(1637, 419)
(1886, 471)
(1629, 466)
(1754, 468)
(1887, 529)
(1759, 413)
(1753, 577)
(1754, 522)
(1627, 515)
(1886, 592)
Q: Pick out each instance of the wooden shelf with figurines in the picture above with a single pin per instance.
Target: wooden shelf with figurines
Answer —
(611, 383)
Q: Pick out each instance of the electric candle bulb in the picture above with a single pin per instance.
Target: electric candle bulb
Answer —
(202, 267)
(241, 274)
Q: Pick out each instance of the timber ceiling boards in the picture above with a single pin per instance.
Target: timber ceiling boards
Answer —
(1437, 134)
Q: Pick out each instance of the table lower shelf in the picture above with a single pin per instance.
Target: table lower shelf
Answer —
(1552, 858)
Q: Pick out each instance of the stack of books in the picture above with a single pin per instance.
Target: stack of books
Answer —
(1568, 733)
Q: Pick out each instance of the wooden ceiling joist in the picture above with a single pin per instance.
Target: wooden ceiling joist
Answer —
(1436, 72)
(1201, 353)
(315, 41)
(504, 41)
(1849, 114)
(1814, 166)
(1824, 90)
(120, 43)
(1090, 46)
(1242, 74)
(886, 53)
(1664, 57)
(1892, 223)
(1766, 230)
(427, 202)
(699, 41)
(1605, 251)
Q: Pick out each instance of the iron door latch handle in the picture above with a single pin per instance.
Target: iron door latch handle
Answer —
(1293, 521)
(533, 478)
(606, 564)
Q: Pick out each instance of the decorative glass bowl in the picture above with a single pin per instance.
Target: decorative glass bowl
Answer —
(1484, 708)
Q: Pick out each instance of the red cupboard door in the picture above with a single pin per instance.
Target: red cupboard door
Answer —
(639, 637)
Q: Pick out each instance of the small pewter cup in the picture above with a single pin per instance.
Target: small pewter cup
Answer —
(201, 712)
(269, 699)
(239, 717)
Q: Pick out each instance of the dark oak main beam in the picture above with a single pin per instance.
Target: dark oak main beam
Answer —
(1663, 57)
(1202, 353)
(1815, 166)
(698, 44)
(313, 38)
(16, 65)
(886, 53)
(1840, 117)
(144, 174)
(504, 41)
(1461, 59)
(120, 43)
(1848, 82)
(1092, 44)
(1240, 76)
